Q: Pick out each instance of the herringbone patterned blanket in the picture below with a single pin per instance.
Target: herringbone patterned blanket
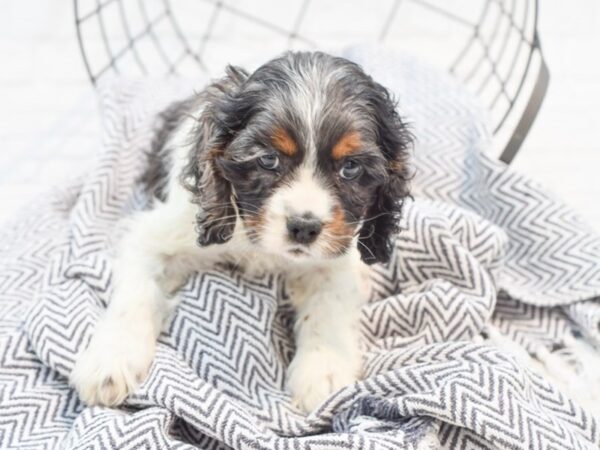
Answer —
(477, 330)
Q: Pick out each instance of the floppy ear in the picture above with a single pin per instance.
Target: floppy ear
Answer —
(217, 125)
(394, 140)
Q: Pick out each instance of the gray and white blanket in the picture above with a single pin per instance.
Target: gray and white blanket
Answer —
(477, 330)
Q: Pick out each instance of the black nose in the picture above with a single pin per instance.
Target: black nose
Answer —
(304, 229)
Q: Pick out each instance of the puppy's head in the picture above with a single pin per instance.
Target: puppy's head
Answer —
(308, 151)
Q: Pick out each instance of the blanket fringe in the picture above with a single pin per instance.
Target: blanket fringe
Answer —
(430, 441)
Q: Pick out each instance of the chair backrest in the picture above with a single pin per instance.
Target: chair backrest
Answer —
(492, 46)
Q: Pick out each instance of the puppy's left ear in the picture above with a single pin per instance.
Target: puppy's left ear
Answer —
(383, 217)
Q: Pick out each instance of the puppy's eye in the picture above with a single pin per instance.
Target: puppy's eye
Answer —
(350, 170)
(270, 161)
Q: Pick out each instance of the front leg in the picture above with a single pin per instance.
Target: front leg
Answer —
(149, 266)
(327, 331)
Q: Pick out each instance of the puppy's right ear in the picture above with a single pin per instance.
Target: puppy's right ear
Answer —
(217, 125)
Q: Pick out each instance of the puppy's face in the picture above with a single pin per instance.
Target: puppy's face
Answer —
(313, 158)
(303, 187)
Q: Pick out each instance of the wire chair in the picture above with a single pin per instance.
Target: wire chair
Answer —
(492, 46)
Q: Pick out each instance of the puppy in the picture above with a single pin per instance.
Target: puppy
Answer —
(299, 167)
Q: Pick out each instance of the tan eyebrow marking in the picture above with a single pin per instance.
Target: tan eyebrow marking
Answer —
(283, 142)
(347, 145)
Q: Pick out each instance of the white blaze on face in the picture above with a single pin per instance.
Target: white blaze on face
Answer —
(304, 195)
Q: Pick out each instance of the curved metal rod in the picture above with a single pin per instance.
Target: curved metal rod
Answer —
(533, 47)
(471, 41)
(186, 46)
(529, 113)
(130, 39)
(80, 41)
(500, 55)
(105, 40)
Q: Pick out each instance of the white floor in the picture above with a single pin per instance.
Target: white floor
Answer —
(49, 126)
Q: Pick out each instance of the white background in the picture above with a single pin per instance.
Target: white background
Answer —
(49, 125)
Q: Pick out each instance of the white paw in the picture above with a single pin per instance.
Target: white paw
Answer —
(314, 375)
(114, 365)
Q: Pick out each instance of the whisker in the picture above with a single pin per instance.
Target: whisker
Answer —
(371, 218)
(219, 218)
(216, 223)
(367, 248)
(218, 207)
(367, 237)
(353, 216)
(235, 201)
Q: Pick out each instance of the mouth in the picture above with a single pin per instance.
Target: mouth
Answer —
(298, 251)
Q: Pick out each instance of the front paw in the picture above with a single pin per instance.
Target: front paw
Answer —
(314, 375)
(113, 366)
